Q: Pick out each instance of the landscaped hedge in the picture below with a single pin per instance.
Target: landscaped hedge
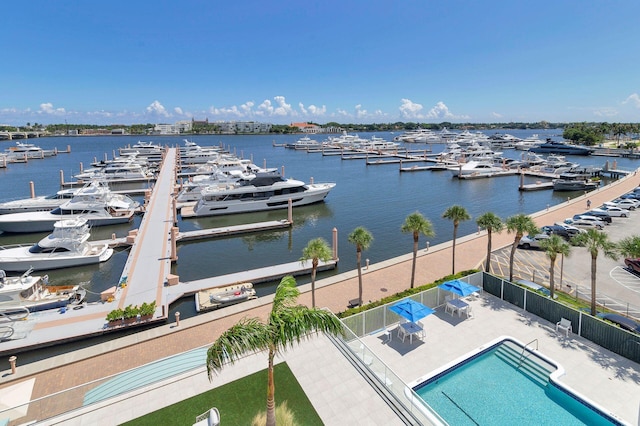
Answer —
(406, 293)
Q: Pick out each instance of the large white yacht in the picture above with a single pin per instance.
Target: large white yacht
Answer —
(472, 169)
(267, 191)
(34, 293)
(65, 247)
(94, 202)
(39, 203)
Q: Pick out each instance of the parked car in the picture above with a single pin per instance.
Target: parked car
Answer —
(621, 321)
(529, 241)
(612, 211)
(572, 230)
(557, 230)
(625, 203)
(632, 195)
(584, 223)
(633, 263)
(602, 216)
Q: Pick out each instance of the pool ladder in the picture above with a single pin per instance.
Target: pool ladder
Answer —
(522, 354)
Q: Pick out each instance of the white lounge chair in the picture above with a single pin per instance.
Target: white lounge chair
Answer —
(564, 325)
(210, 418)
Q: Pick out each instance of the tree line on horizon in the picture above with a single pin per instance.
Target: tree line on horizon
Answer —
(588, 133)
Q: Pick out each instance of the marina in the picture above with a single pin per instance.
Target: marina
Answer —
(175, 261)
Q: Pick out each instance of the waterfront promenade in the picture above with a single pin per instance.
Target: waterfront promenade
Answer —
(380, 280)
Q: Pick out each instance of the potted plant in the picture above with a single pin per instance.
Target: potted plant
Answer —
(147, 310)
(115, 316)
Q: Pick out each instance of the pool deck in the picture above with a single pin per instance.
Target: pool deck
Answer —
(341, 396)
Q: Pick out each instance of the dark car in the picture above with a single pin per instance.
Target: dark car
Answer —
(633, 263)
(558, 230)
(622, 321)
(600, 215)
(632, 195)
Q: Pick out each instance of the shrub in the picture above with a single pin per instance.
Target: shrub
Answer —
(115, 315)
(284, 416)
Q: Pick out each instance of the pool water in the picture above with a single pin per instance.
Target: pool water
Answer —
(491, 389)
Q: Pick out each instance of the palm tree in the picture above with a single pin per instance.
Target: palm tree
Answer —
(519, 223)
(456, 214)
(630, 246)
(491, 222)
(316, 250)
(362, 240)
(287, 324)
(595, 241)
(416, 224)
(553, 246)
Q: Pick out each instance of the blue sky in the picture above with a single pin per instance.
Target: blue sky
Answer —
(372, 61)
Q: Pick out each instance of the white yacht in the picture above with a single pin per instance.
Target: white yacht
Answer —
(379, 144)
(191, 191)
(526, 144)
(304, 143)
(34, 293)
(484, 168)
(267, 191)
(37, 204)
(117, 170)
(28, 150)
(94, 202)
(65, 247)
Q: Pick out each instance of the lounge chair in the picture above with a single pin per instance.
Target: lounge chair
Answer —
(210, 418)
(401, 332)
(564, 325)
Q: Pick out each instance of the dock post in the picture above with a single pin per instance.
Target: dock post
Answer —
(81, 167)
(290, 211)
(264, 163)
(282, 173)
(335, 244)
(32, 189)
(12, 361)
(177, 319)
(174, 204)
(68, 149)
(174, 233)
(61, 178)
(521, 180)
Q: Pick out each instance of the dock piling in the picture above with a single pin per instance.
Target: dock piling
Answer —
(32, 189)
(12, 361)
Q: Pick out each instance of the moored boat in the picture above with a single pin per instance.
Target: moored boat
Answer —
(219, 297)
(554, 147)
(65, 247)
(266, 191)
(34, 293)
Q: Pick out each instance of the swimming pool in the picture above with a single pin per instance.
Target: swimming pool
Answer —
(496, 385)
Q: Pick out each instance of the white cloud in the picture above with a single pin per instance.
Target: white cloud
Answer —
(156, 108)
(360, 112)
(178, 111)
(409, 109)
(302, 109)
(633, 99)
(605, 112)
(47, 108)
(283, 108)
(318, 111)
(496, 115)
(440, 110)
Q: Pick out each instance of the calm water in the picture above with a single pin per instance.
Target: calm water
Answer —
(376, 197)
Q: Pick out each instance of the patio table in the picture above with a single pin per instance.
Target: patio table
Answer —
(411, 328)
(458, 305)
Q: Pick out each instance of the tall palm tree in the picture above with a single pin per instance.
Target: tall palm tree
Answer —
(316, 250)
(416, 224)
(630, 246)
(287, 324)
(362, 240)
(491, 222)
(520, 224)
(553, 246)
(456, 214)
(594, 241)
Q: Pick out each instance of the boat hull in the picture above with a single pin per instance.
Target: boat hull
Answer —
(219, 297)
(316, 194)
(19, 259)
(44, 222)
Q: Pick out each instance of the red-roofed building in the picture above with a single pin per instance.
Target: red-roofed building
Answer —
(307, 127)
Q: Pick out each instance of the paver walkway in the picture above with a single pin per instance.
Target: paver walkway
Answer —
(380, 280)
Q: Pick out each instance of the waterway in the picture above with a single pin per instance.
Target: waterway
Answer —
(377, 197)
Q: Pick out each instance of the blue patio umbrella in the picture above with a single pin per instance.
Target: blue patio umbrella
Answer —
(411, 310)
(460, 288)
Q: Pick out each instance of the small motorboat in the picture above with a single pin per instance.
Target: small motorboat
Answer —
(35, 293)
(219, 297)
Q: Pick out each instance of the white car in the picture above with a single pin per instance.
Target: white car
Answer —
(529, 241)
(585, 223)
(624, 203)
(590, 218)
(612, 211)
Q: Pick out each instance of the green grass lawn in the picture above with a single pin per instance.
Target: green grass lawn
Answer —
(239, 401)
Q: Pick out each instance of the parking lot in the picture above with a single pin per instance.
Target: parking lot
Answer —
(617, 287)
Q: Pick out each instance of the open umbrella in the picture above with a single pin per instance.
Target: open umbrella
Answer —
(411, 310)
(460, 288)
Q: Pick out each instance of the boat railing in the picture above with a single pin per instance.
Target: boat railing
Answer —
(9, 314)
(12, 246)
